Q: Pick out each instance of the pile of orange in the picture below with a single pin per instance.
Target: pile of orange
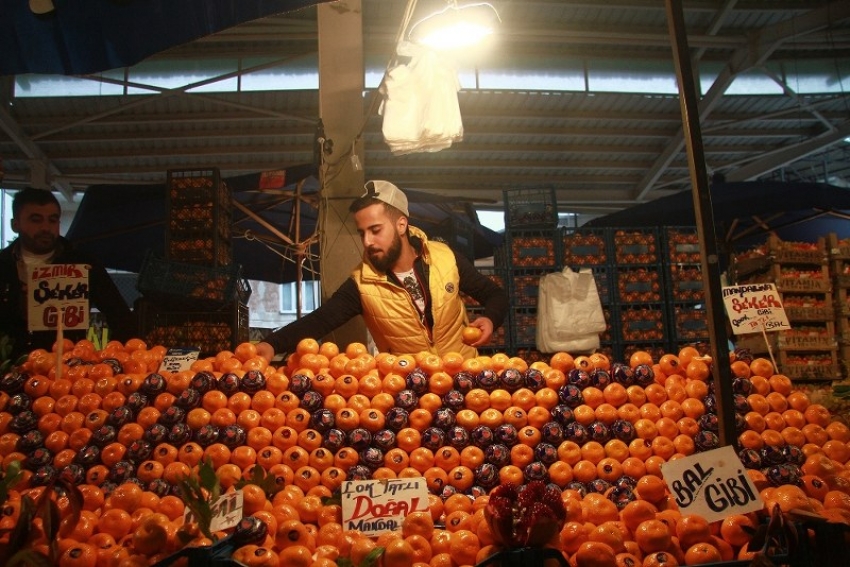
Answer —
(101, 419)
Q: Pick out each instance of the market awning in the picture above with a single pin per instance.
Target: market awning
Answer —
(89, 36)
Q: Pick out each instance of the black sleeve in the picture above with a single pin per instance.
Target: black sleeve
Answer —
(341, 307)
(485, 291)
(105, 296)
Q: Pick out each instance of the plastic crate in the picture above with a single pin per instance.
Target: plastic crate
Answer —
(199, 219)
(533, 249)
(586, 247)
(642, 324)
(531, 208)
(525, 327)
(211, 331)
(686, 283)
(525, 290)
(635, 246)
(682, 245)
(639, 285)
(174, 281)
(690, 323)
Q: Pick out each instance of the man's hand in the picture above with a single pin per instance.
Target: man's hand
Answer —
(266, 351)
(486, 326)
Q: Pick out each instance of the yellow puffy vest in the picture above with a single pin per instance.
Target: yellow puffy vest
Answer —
(393, 319)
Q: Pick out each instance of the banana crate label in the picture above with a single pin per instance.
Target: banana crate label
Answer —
(58, 297)
(377, 506)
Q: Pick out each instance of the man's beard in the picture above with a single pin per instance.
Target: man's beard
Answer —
(385, 262)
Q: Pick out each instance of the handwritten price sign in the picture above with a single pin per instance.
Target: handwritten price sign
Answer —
(376, 506)
(713, 485)
(58, 291)
(752, 308)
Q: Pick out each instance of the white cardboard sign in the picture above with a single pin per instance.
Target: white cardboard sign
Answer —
(179, 359)
(58, 290)
(713, 484)
(226, 511)
(752, 308)
(377, 506)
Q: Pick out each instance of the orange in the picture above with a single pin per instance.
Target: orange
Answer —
(418, 523)
(636, 512)
(652, 535)
(464, 547)
(610, 534)
(597, 509)
(701, 553)
(595, 554)
(734, 529)
(761, 367)
(115, 522)
(692, 529)
(651, 488)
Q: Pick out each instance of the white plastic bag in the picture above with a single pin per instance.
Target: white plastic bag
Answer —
(421, 110)
(569, 312)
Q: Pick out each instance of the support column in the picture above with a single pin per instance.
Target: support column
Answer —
(341, 86)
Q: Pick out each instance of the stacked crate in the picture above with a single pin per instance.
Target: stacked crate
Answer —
(583, 249)
(639, 286)
(533, 250)
(196, 295)
(199, 218)
(839, 266)
(684, 288)
(807, 351)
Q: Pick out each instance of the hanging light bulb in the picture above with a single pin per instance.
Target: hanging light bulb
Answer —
(456, 26)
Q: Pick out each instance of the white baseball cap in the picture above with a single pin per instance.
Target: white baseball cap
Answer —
(388, 193)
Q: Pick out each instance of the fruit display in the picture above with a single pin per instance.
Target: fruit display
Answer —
(807, 351)
(117, 445)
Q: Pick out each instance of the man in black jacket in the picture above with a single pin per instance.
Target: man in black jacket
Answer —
(35, 219)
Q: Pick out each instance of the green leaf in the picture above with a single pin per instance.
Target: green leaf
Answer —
(11, 476)
(260, 477)
(371, 559)
(334, 499)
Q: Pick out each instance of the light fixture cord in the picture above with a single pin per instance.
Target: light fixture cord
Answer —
(376, 95)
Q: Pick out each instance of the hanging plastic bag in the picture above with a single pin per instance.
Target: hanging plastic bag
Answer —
(421, 110)
(569, 312)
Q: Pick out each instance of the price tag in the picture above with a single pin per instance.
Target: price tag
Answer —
(226, 512)
(752, 308)
(58, 290)
(179, 359)
(713, 485)
(377, 506)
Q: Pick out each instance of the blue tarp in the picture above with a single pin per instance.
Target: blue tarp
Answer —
(89, 36)
(744, 211)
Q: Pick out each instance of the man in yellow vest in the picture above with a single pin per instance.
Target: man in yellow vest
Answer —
(407, 288)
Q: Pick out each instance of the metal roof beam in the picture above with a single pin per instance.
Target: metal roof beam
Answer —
(43, 172)
(760, 46)
(779, 158)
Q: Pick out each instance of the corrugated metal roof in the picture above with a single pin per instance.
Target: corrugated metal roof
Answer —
(600, 151)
